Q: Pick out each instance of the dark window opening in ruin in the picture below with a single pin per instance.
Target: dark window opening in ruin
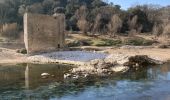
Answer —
(58, 45)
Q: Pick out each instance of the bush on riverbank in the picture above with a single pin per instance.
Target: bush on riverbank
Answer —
(105, 42)
(94, 42)
(22, 51)
(138, 42)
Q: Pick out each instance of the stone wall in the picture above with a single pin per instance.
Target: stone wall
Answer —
(43, 33)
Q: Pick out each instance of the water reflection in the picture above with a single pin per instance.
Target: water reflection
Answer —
(33, 73)
(29, 75)
(159, 72)
(10, 76)
(24, 81)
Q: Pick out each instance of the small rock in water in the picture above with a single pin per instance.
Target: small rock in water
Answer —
(52, 75)
(45, 75)
(86, 75)
(120, 69)
(67, 76)
(75, 76)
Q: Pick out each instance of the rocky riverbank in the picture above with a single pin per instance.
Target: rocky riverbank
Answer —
(112, 64)
(101, 63)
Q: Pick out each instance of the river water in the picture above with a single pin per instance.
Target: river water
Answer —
(24, 82)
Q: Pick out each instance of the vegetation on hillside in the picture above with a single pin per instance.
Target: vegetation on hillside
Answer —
(93, 16)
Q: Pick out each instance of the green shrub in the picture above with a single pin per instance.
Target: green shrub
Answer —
(23, 51)
(138, 42)
(94, 42)
(105, 42)
(73, 43)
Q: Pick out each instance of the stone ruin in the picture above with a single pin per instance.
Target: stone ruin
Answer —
(43, 33)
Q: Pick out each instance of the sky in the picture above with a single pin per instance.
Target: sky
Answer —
(128, 3)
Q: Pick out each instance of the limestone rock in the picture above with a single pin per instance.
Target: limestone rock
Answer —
(95, 61)
(101, 64)
(120, 69)
(117, 58)
(45, 74)
(67, 75)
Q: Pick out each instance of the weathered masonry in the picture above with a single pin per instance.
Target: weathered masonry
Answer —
(43, 33)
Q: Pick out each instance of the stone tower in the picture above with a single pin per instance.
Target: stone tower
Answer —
(43, 33)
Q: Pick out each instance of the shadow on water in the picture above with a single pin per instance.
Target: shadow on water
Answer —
(24, 81)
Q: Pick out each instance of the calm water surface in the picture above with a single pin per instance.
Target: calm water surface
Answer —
(24, 82)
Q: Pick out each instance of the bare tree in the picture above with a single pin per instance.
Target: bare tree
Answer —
(157, 29)
(166, 31)
(83, 25)
(82, 22)
(81, 12)
(115, 24)
(133, 25)
(97, 23)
